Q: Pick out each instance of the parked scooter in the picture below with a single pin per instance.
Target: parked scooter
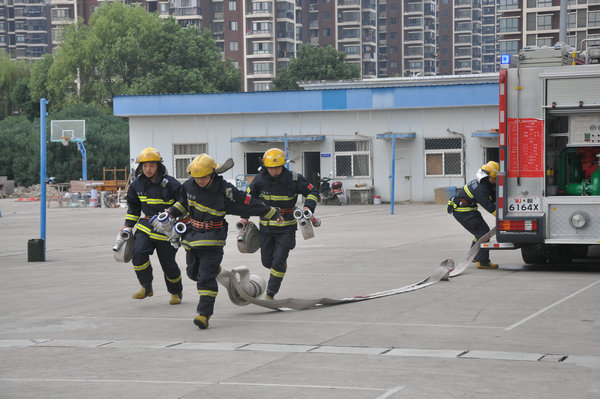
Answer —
(331, 194)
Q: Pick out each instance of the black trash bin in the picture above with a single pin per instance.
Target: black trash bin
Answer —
(35, 250)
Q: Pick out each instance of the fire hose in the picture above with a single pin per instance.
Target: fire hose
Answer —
(123, 248)
(245, 288)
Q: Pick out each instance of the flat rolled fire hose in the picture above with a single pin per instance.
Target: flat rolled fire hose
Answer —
(444, 271)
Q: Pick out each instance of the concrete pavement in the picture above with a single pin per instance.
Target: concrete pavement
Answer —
(69, 328)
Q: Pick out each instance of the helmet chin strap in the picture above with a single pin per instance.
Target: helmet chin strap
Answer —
(212, 178)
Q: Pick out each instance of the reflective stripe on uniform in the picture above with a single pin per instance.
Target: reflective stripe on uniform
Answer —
(159, 201)
(278, 224)
(465, 208)
(155, 201)
(206, 209)
(131, 217)
(155, 236)
(275, 273)
(278, 197)
(202, 243)
(466, 188)
(141, 267)
(207, 293)
(180, 208)
(270, 214)
(173, 281)
(312, 197)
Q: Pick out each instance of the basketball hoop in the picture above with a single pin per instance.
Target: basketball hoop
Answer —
(65, 131)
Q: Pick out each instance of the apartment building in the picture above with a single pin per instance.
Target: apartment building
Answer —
(537, 23)
(467, 37)
(24, 28)
(386, 38)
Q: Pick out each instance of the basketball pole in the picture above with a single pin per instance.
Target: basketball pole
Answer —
(43, 103)
(83, 159)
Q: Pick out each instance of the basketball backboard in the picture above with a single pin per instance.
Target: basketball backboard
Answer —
(67, 131)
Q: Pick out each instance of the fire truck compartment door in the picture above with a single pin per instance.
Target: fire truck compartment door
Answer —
(569, 92)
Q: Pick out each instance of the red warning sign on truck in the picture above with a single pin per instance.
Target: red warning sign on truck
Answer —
(530, 149)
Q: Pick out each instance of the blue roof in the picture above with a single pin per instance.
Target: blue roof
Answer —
(476, 94)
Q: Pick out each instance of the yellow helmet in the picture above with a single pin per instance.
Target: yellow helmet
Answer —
(203, 165)
(273, 157)
(491, 168)
(149, 155)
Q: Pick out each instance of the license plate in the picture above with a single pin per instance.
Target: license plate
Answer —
(524, 204)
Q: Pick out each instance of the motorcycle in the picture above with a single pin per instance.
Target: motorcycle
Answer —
(331, 193)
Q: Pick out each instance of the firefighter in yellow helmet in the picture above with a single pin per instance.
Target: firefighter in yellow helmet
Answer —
(463, 206)
(152, 191)
(205, 199)
(277, 186)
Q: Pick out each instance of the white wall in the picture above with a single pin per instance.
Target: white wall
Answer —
(411, 184)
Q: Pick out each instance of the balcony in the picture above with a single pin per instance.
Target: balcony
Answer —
(259, 33)
(285, 15)
(368, 57)
(60, 20)
(348, 3)
(413, 8)
(180, 12)
(268, 13)
(286, 54)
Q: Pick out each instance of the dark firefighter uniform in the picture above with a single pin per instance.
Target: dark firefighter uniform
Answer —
(464, 208)
(152, 198)
(277, 239)
(206, 232)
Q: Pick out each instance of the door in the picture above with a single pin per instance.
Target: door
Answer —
(312, 166)
(253, 162)
(403, 174)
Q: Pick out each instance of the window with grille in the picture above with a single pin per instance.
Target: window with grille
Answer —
(352, 158)
(443, 157)
(183, 154)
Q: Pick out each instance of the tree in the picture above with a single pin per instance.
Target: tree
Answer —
(20, 150)
(39, 77)
(126, 50)
(22, 102)
(107, 145)
(10, 73)
(315, 63)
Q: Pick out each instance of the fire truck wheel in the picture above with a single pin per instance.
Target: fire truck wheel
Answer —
(534, 254)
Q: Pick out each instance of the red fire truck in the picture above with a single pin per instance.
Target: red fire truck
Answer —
(549, 142)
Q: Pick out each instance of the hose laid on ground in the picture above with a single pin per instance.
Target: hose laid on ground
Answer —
(443, 272)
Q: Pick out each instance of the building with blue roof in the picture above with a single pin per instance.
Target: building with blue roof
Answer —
(436, 132)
